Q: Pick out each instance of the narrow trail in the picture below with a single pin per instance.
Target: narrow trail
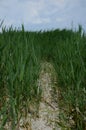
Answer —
(48, 109)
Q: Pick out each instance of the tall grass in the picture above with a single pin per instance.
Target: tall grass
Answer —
(19, 68)
(20, 56)
(71, 69)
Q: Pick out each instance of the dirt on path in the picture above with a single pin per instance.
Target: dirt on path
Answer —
(48, 109)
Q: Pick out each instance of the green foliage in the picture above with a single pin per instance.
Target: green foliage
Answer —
(20, 56)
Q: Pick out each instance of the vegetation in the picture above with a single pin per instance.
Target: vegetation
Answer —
(21, 53)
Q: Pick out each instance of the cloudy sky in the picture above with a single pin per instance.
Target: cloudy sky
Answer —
(43, 14)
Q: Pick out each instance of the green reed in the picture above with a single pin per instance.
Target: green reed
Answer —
(21, 53)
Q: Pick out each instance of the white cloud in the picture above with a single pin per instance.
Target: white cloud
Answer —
(17, 12)
(41, 21)
(52, 13)
(59, 20)
(58, 3)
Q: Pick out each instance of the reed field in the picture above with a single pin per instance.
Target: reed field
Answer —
(21, 54)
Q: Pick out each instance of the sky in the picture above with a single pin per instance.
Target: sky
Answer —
(43, 14)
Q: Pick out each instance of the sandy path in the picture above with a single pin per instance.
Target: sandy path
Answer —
(48, 109)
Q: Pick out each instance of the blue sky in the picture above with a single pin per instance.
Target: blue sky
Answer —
(43, 14)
